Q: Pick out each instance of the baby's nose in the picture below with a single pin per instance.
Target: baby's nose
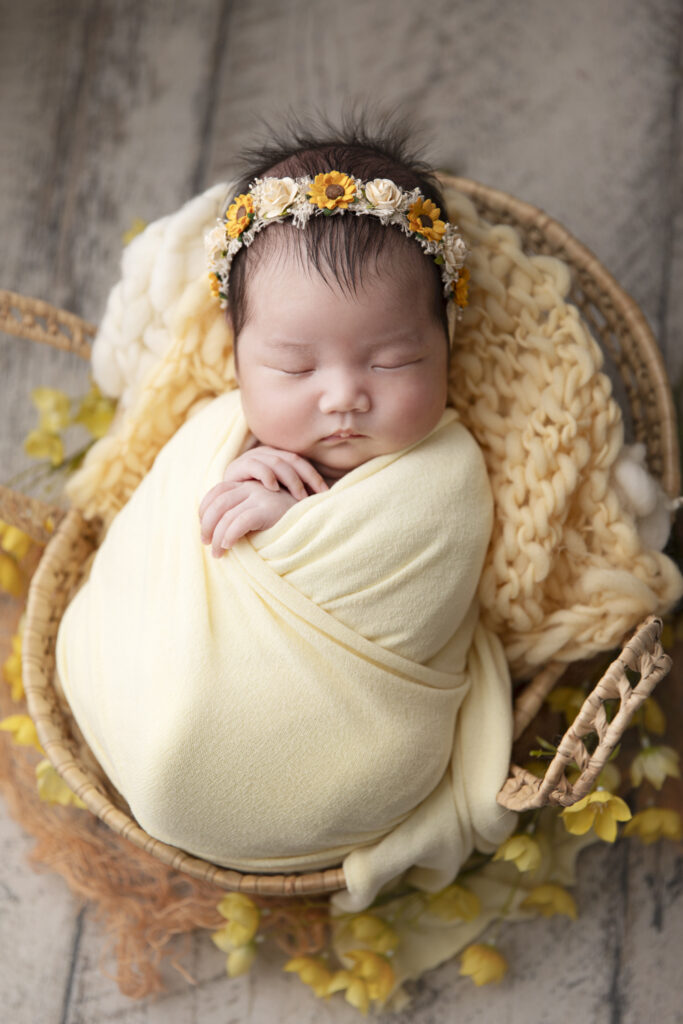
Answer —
(344, 393)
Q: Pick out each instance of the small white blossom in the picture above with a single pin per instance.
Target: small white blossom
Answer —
(386, 197)
(272, 196)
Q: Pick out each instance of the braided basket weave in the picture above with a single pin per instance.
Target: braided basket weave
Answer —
(623, 333)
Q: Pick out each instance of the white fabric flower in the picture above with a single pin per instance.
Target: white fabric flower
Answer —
(454, 250)
(385, 196)
(215, 242)
(274, 195)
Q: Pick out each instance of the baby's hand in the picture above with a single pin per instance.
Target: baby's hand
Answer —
(230, 511)
(275, 467)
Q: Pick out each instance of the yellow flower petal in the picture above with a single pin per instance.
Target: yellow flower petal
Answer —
(312, 971)
(41, 444)
(95, 412)
(522, 850)
(23, 731)
(483, 964)
(453, 902)
(15, 542)
(239, 215)
(655, 764)
(551, 899)
(423, 219)
(375, 931)
(240, 960)
(53, 406)
(243, 918)
(11, 578)
(601, 810)
(655, 823)
(357, 995)
(52, 788)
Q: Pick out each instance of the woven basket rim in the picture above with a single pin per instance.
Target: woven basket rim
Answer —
(41, 696)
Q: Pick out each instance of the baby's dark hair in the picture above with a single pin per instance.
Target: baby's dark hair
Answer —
(338, 248)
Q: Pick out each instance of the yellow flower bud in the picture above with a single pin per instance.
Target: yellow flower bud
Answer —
(551, 899)
(40, 444)
(53, 406)
(483, 964)
(52, 789)
(243, 918)
(375, 931)
(312, 971)
(95, 412)
(453, 902)
(522, 850)
(15, 542)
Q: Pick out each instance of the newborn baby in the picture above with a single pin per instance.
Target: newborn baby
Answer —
(324, 693)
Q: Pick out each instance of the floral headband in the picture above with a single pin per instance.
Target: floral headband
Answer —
(269, 200)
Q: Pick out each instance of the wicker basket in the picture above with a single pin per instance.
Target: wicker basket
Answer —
(628, 343)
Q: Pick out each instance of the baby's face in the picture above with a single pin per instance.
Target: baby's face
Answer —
(336, 378)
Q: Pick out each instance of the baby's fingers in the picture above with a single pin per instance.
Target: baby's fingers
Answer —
(234, 525)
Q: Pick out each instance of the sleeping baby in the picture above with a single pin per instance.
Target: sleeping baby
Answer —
(302, 679)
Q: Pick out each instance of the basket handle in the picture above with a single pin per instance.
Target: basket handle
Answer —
(642, 654)
(39, 321)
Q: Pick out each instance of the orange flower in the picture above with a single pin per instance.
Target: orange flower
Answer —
(423, 218)
(332, 190)
(461, 288)
(239, 215)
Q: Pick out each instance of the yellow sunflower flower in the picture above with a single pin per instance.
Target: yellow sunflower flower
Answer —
(453, 902)
(52, 789)
(243, 920)
(483, 964)
(374, 931)
(40, 444)
(522, 850)
(23, 731)
(655, 764)
(655, 823)
(11, 669)
(95, 411)
(11, 578)
(239, 215)
(331, 190)
(53, 406)
(312, 971)
(423, 219)
(551, 899)
(600, 810)
(462, 287)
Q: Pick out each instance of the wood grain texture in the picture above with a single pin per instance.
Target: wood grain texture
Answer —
(122, 109)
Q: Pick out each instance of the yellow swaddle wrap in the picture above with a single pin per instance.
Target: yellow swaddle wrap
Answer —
(324, 693)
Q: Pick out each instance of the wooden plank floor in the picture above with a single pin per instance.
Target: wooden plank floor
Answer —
(125, 108)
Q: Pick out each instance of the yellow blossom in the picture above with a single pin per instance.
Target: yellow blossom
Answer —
(95, 412)
(483, 964)
(461, 288)
(240, 960)
(312, 971)
(600, 810)
(11, 578)
(655, 764)
(239, 215)
(374, 931)
(41, 444)
(11, 669)
(423, 218)
(243, 920)
(136, 228)
(23, 731)
(52, 788)
(655, 823)
(550, 899)
(651, 717)
(14, 541)
(521, 850)
(568, 700)
(453, 902)
(331, 190)
(374, 973)
(53, 406)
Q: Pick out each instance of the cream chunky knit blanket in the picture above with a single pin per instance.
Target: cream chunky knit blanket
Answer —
(325, 692)
(567, 572)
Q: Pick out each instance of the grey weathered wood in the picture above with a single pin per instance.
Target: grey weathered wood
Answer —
(117, 110)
